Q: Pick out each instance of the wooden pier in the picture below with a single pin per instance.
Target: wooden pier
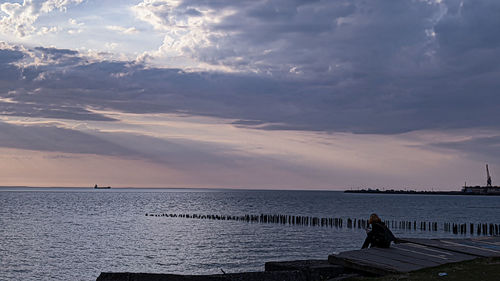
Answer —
(415, 254)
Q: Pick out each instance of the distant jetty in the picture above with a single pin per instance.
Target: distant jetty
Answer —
(393, 191)
(488, 189)
(469, 190)
(482, 190)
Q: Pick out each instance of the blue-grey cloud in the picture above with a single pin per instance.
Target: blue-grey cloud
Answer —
(8, 56)
(54, 139)
(180, 154)
(356, 66)
(469, 26)
(126, 145)
(58, 54)
(480, 148)
(315, 38)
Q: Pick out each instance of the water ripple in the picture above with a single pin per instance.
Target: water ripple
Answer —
(76, 234)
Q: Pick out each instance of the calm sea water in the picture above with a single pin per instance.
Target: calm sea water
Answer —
(74, 234)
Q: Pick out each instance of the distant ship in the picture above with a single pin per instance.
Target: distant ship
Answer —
(489, 189)
(101, 187)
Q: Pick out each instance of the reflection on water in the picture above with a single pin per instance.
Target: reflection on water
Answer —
(74, 234)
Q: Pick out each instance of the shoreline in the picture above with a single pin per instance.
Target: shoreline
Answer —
(408, 257)
(415, 192)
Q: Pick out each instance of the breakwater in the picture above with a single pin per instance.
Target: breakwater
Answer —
(477, 228)
(475, 190)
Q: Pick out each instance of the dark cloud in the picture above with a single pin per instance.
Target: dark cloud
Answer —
(182, 154)
(49, 111)
(56, 52)
(247, 122)
(193, 12)
(7, 70)
(8, 56)
(53, 139)
(470, 26)
(357, 66)
(480, 148)
(316, 38)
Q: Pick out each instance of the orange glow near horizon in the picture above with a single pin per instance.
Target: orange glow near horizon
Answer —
(189, 151)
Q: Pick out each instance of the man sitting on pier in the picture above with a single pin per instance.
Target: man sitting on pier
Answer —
(379, 236)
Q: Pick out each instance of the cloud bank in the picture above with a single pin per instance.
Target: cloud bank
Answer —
(364, 67)
(20, 19)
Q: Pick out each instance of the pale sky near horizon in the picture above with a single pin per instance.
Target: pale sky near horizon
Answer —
(250, 94)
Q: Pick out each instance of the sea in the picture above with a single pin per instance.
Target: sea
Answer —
(77, 233)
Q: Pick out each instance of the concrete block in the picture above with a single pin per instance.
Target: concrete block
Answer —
(313, 269)
(245, 276)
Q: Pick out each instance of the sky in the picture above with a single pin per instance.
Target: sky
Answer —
(284, 94)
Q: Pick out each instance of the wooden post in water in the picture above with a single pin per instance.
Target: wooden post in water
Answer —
(351, 223)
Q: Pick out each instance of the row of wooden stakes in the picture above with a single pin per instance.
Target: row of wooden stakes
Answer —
(480, 228)
(471, 228)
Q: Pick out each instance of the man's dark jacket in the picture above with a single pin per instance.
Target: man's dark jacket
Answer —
(380, 236)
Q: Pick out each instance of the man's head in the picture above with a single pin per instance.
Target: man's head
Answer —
(374, 218)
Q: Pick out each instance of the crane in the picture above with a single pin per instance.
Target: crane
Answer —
(488, 177)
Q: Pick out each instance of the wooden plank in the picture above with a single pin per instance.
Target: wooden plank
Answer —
(419, 255)
(489, 239)
(433, 254)
(476, 247)
(490, 243)
(379, 261)
(403, 256)
(389, 261)
(411, 257)
(398, 262)
(399, 258)
(361, 265)
(487, 249)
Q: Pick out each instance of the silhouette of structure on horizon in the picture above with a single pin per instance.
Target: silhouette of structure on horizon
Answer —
(488, 177)
(483, 190)
(488, 189)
